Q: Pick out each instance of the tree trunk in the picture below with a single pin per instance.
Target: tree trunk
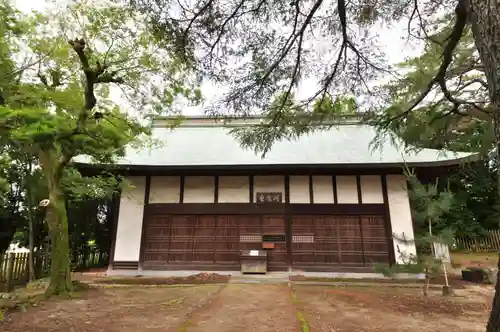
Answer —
(31, 266)
(31, 235)
(60, 274)
(485, 19)
(494, 321)
(426, 283)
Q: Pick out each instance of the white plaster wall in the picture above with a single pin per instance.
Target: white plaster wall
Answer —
(401, 221)
(347, 189)
(269, 183)
(199, 189)
(165, 189)
(234, 189)
(129, 229)
(371, 189)
(299, 189)
(322, 189)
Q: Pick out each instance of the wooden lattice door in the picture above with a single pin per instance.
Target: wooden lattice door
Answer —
(322, 242)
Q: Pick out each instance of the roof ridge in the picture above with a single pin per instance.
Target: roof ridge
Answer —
(227, 121)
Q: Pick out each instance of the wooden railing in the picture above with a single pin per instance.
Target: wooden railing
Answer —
(490, 242)
(14, 268)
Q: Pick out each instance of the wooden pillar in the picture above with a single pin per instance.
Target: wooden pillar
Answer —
(388, 223)
(288, 223)
(144, 220)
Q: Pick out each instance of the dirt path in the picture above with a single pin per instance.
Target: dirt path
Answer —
(240, 308)
(257, 307)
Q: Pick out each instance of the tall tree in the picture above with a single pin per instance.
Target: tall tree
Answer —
(434, 125)
(64, 108)
(10, 29)
(428, 207)
(272, 48)
(272, 45)
(11, 161)
(12, 175)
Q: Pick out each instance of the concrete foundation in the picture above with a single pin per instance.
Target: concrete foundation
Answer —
(267, 276)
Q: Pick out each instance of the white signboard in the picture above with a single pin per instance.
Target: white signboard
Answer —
(442, 252)
(254, 253)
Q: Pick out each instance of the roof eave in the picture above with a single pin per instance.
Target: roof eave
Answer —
(426, 164)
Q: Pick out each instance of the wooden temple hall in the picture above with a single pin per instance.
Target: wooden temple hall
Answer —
(326, 202)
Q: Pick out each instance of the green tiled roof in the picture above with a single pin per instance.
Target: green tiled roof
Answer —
(194, 144)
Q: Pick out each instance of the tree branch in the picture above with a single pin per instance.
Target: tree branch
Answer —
(292, 40)
(223, 26)
(24, 67)
(79, 47)
(109, 78)
(330, 77)
(421, 24)
(283, 52)
(461, 18)
(296, 68)
(91, 78)
(196, 15)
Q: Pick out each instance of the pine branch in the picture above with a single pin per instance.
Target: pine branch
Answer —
(461, 17)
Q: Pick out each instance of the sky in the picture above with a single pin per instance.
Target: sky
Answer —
(393, 42)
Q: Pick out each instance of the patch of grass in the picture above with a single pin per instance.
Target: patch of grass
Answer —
(487, 259)
(199, 279)
(304, 326)
(19, 303)
(354, 280)
(294, 298)
(32, 295)
(185, 326)
(79, 286)
(174, 301)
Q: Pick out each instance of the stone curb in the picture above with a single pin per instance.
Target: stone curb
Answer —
(97, 285)
(362, 284)
(309, 283)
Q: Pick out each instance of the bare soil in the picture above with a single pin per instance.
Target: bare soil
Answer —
(127, 309)
(248, 307)
(200, 278)
(474, 259)
(454, 280)
(256, 307)
(393, 309)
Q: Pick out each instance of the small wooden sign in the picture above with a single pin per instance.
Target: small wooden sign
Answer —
(268, 245)
(269, 197)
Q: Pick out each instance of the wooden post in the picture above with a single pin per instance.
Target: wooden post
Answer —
(2, 269)
(37, 262)
(10, 271)
(92, 260)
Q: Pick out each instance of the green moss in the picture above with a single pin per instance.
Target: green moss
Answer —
(20, 303)
(361, 280)
(174, 301)
(304, 326)
(156, 281)
(57, 220)
(294, 298)
(79, 286)
(185, 326)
